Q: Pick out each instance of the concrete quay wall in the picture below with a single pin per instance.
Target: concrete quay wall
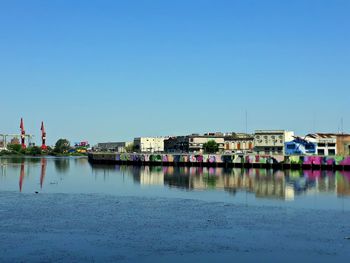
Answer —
(225, 160)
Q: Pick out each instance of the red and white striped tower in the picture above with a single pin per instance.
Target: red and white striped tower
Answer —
(43, 137)
(23, 134)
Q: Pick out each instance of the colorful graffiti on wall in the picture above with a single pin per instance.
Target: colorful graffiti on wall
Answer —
(223, 159)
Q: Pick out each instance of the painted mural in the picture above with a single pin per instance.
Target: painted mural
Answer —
(226, 158)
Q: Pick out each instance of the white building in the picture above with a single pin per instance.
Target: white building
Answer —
(326, 143)
(149, 144)
(271, 141)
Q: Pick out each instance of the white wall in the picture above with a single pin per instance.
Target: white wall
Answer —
(150, 144)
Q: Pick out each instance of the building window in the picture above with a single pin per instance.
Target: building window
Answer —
(320, 151)
(309, 147)
(331, 151)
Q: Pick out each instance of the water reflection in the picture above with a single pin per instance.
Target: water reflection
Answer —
(43, 171)
(23, 173)
(284, 185)
(76, 175)
(62, 165)
(21, 177)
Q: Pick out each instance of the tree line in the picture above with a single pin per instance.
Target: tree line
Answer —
(62, 147)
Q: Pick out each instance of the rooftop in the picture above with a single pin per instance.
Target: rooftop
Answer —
(322, 135)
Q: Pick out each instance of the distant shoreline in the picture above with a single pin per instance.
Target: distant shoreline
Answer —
(40, 156)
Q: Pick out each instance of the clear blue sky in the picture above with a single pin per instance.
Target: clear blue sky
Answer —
(114, 70)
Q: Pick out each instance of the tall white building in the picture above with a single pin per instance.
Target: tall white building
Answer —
(149, 144)
(271, 141)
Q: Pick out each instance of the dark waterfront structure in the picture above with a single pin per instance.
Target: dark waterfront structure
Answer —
(226, 160)
(176, 144)
(192, 143)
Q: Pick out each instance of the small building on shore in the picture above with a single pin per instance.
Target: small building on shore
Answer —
(326, 143)
(300, 146)
(149, 144)
(196, 142)
(272, 141)
(239, 142)
(2, 145)
(193, 143)
(331, 143)
(113, 146)
(343, 144)
(176, 144)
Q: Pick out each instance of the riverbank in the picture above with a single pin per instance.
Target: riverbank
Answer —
(90, 228)
(225, 160)
(8, 154)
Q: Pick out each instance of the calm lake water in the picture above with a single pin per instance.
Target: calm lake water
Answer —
(304, 189)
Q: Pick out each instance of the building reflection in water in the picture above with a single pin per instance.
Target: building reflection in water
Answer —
(343, 183)
(264, 183)
(152, 176)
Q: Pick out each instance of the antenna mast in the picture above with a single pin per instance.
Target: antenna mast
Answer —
(246, 121)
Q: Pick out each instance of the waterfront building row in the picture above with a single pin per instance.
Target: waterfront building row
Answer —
(271, 142)
(226, 160)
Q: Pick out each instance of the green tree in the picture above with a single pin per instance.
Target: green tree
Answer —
(35, 150)
(210, 147)
(14, 147)
(130, 148)
(48, 149)
(62, 146)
